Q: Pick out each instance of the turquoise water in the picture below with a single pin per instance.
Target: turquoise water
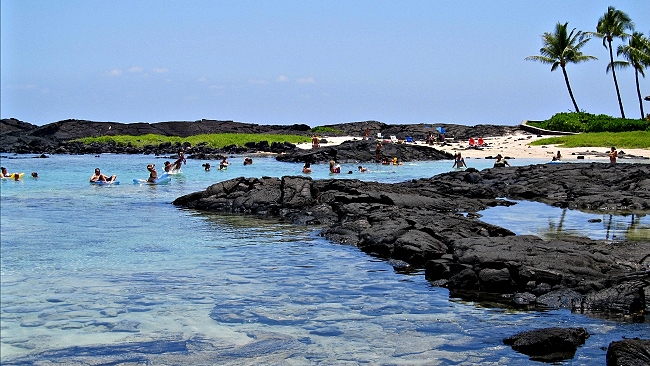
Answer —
(116, 274)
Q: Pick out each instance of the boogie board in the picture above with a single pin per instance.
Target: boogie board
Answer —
(165, 178)
(15, 176)
(104, 183)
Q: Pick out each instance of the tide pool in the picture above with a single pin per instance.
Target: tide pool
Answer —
(116, 274)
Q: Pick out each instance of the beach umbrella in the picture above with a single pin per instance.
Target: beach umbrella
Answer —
(441, 130)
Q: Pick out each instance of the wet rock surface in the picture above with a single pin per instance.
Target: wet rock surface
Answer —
(629, 352)
(549, 344)
(430, 223)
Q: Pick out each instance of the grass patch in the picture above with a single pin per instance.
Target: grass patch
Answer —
(622, 140)
(323, 129)
(215, 140)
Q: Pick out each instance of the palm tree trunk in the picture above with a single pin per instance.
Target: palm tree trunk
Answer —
(568, 86)
(638, 91)
(618, 93)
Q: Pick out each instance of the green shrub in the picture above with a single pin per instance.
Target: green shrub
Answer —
(323, 129)
(586, 122)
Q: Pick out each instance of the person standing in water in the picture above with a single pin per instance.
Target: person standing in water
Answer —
(613, 155)
(153, 174)
(459, 162)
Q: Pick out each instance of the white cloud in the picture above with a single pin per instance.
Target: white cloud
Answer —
(160, 70)
(307, 80)
(282, 79)
(114, 72)
(135, 69)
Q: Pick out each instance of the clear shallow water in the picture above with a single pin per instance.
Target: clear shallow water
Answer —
(117, 274)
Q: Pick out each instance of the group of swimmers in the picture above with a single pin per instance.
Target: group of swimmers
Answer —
(335, 168)
(15, 176)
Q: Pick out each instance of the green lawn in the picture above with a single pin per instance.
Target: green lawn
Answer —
(215, 140)
(621, 140)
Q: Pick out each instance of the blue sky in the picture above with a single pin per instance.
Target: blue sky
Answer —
(312, 62)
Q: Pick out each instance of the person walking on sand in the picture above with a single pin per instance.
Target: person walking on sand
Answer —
(99, 177)
(315, 142)
(613, 155)
(501, 162)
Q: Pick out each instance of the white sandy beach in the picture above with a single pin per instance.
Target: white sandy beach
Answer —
(513, 146)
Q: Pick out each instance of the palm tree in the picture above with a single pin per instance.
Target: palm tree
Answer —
(637, 54)
(613, 24)
(561, 48)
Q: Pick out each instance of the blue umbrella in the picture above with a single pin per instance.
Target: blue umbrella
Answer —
(441, 130)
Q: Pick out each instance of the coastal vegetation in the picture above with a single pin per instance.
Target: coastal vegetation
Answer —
(613, 24)
(587, 122)
(561, 48)
(214, 140)
(323, 129)
(621, 140)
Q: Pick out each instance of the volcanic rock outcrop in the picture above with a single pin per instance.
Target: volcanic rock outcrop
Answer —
(431, 223)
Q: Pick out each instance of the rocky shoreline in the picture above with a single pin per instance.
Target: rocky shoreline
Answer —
(57, 138)
(433, 224)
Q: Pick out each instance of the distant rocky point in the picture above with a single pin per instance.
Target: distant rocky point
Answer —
(21, 137)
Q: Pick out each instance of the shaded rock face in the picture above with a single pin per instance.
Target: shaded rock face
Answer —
(629, 352)
(364, 151)
(420, 223)
(549, 344)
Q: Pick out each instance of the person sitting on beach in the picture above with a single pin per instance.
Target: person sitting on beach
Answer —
(315, 142)
(153, 174)
(99, 177)
(334, 168)
(206, 166)
(459, 162)
(472, 143)
(362, 169)
(501, 162)
(306, 168)
(481, 142)
(613, 155)
(224, 163)
(248, 161)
